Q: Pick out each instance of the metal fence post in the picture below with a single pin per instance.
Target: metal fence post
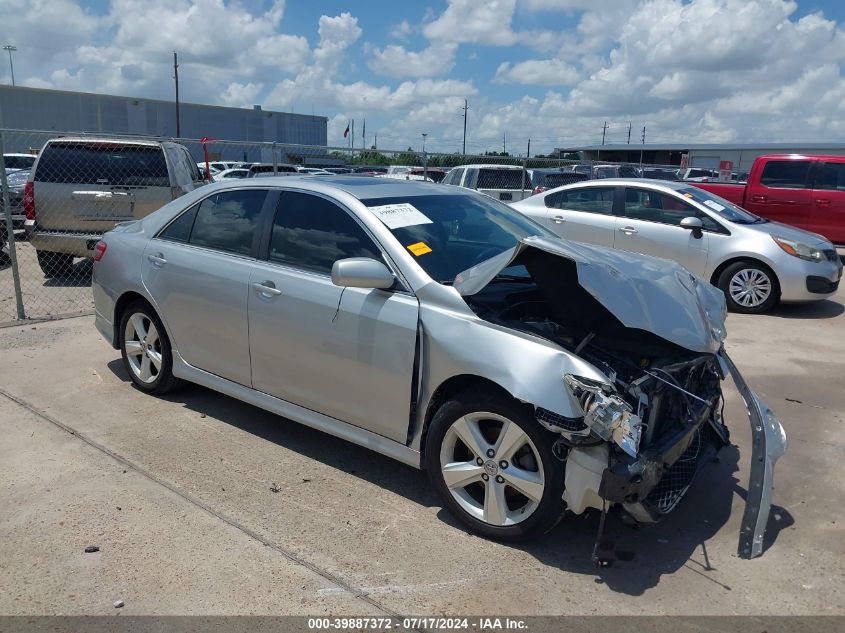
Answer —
(275, 160)
(10, 236)
(524, 162)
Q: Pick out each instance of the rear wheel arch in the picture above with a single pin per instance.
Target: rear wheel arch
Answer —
(451, 387)
(124, 301)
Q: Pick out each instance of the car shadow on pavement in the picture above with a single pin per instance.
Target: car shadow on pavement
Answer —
(826, 309)
(639, 556)
(79, 275)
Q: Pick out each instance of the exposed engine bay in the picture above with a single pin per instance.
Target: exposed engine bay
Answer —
(644, 435)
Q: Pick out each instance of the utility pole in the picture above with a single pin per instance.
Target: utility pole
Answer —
(528, 153)
(642, 147)
(603, 132)
(466, 107)
(375, 144)
(176, 78)
(11, 48)
(629, 132)
(425, 158)
(504, 143)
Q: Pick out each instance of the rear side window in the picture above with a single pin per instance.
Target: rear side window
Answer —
(501, 179)
(180, 229)
(831, 176)
(786, 174)
(228, 221)
(313, 233)
(103, 163)
(589, 199)
(18, 162)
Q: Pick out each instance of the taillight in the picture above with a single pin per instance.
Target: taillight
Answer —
(99, 250)
(29, 200)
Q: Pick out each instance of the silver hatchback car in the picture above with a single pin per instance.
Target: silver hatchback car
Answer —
(754, 261)
(527, 374)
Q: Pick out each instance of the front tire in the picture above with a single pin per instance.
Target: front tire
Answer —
(54, 264)
(491, 462)
(749, 287)
(146, 351)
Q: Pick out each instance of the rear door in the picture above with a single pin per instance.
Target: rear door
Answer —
(345, 352)
(197, 271)
(89, 186)
(584, 214)
(828, 215)
(783, 193)
(651, 225)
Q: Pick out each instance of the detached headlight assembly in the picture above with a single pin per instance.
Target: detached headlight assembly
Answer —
(606, 413)
(799, 249)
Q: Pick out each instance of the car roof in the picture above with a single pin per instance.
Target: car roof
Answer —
(100, 140)
(364, 187)
(488, 166)
(632, 182)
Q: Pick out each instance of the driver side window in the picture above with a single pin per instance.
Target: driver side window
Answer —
(311, 232)
(653, 206)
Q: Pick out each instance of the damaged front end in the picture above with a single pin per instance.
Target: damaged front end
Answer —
(655, 333)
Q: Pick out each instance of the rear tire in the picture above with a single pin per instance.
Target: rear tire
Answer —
(54, 264)
(145, 349)
(750, 287)
(509, 496)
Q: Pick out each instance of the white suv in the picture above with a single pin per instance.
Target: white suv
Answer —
(502, 182)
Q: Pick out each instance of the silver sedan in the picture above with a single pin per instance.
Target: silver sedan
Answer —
(754, 261)
(527, 374)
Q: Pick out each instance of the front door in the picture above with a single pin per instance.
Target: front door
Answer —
(784, 193)
(197, 272)
(346, 353)
(651, 222)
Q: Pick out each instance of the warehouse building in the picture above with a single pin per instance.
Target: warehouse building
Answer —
(704, 155)
(23, 108)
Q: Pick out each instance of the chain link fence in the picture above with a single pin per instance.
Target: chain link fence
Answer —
(83, 184)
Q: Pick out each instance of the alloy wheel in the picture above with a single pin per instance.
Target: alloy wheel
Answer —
(750, 287)
(492, 468)
(142, 344)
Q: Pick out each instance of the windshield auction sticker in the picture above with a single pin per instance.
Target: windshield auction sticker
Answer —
(397, 216)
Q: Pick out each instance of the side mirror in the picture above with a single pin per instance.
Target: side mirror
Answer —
(362, 272)
(693, 224)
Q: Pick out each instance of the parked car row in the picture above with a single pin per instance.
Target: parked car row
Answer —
(527, 374)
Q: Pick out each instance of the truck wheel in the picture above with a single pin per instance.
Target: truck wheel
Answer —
(54, 264)
(491, 462)
(749, 287)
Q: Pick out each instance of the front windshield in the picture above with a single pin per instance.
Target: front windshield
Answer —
(725, 209)
(451, 233)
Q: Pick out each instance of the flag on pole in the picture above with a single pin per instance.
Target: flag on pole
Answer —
(346, 131)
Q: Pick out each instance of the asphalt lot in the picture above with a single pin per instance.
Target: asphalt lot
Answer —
(203, 505)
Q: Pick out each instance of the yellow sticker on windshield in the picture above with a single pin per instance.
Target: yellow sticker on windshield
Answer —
(687, 195)
(420, 248)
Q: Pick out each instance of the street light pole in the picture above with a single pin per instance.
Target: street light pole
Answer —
(11, 48)
(425, 158)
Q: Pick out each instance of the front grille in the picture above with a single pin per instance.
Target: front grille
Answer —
(676, 480)
(821, 285)
(573, 425)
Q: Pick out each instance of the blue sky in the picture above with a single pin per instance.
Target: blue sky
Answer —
(550, 70)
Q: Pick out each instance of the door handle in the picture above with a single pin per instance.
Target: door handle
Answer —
(158, 260)
(266, 288)
(823, 202)
(759, 198)
(628, 230)
(558, 219)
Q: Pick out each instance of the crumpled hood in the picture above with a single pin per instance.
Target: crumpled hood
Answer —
(643, 292)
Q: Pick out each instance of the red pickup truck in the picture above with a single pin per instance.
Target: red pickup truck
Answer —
(804, 191)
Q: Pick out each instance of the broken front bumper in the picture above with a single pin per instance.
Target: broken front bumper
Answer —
(768, 443)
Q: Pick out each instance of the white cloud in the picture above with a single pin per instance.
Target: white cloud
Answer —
(475, 21)
(401, 31)
(395, 61)
(537, 72)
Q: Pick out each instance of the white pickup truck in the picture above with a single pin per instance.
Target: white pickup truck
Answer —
(507, 183)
